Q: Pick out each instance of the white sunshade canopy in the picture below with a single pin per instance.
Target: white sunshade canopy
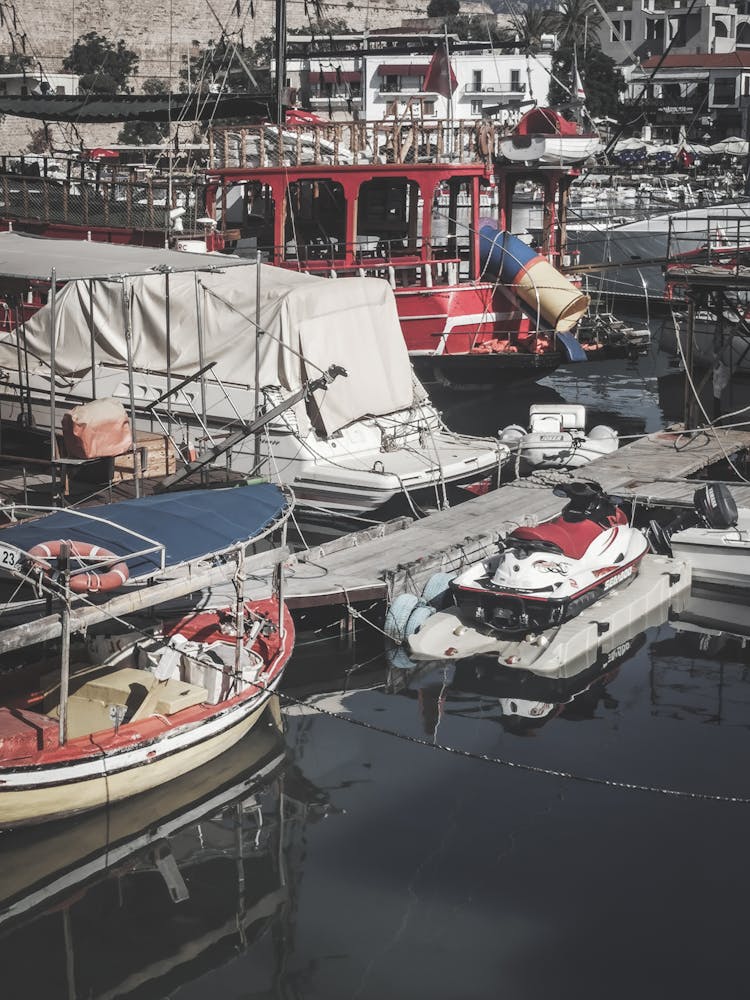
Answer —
(732, 146)
(308, 324)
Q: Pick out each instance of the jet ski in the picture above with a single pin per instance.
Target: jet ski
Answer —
(548, 573)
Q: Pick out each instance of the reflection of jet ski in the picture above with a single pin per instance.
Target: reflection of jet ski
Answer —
(525, 700)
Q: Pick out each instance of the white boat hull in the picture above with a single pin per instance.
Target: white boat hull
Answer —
(552, 149)
(46, 793)
(717, 555)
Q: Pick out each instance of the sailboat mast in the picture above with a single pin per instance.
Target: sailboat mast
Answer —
(280, 57)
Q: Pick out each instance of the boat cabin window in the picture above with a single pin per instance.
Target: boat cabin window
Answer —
(451, 222)
(388, 217)
(249, 208)
(315, 227)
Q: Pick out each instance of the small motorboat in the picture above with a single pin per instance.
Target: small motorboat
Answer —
(557, 438)
(543, 135)
(714, 537)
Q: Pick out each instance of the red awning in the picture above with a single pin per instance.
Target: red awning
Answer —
(403, 69)
(344, 76)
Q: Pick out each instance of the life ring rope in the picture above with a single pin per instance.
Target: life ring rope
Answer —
(92, 581)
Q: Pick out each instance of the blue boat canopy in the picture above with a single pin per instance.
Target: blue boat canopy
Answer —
(188, 525)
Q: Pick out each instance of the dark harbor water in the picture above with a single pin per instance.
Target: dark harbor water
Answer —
(381, 846)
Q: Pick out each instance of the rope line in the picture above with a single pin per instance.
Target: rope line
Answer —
(627, 786)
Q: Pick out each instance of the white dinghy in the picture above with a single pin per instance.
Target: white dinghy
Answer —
(557, 438)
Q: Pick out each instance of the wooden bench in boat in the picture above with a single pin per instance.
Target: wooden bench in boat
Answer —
(126, 695)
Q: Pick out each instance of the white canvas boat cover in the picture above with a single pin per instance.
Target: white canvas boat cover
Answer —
(308, 324)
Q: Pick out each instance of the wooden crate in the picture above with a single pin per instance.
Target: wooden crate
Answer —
(159, 457)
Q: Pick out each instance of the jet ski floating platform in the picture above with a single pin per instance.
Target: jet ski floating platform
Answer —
(662, 585)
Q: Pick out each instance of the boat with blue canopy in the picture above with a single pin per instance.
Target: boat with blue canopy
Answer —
(154, 533)
(147, 701)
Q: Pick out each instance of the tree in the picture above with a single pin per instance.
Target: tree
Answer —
(533, 23)
(103, 68)
(146, 133)
(576, 23)
(40, 141)
(602, 81)
(218, 67)
(15, 62)
(443, 8)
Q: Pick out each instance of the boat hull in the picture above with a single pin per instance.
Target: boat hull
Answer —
(40, 794)
(717, 555)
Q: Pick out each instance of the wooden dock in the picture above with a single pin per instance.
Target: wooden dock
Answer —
(385, 561)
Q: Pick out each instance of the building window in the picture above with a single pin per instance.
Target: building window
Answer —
(477, 81)
(390, 85)
(477, 107)
(515, 79)
(428, 107)
(616, 31)
(724, 92)
(627, 30)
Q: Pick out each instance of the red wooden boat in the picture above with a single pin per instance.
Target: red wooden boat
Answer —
(397, 200)
(142, 715)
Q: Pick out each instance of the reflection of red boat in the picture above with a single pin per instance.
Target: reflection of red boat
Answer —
(398, 200)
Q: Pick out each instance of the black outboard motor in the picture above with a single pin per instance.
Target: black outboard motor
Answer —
(716, 506)
(713, 505)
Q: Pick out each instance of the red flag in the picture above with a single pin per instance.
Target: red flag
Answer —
(440, 78)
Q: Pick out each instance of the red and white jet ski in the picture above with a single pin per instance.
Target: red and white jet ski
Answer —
(549, 573)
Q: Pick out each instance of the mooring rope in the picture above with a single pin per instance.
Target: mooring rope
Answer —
(626, 786)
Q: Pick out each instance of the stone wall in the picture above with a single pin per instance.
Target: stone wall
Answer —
(151, 28)
(46, 33)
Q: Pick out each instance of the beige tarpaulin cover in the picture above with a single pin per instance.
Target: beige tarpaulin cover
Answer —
(308, 324)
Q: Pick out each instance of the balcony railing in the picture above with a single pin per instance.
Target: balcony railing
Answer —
(515, 87)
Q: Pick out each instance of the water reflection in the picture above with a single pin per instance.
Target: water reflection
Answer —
(519, 701)
(157, 890)
(702, 670)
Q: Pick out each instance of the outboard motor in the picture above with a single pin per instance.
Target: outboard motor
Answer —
(716, 506)
(713, 506)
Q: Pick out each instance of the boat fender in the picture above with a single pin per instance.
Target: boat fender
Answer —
(436, 591)
(94, 581)
(397, 616)
(512, 435)
(602, 432)
(485, 139)
(417, 619)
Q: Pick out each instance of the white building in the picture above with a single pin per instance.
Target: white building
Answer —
(25, 84)
(373, 86)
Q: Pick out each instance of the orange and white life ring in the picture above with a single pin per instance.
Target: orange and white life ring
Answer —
(89, 582)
